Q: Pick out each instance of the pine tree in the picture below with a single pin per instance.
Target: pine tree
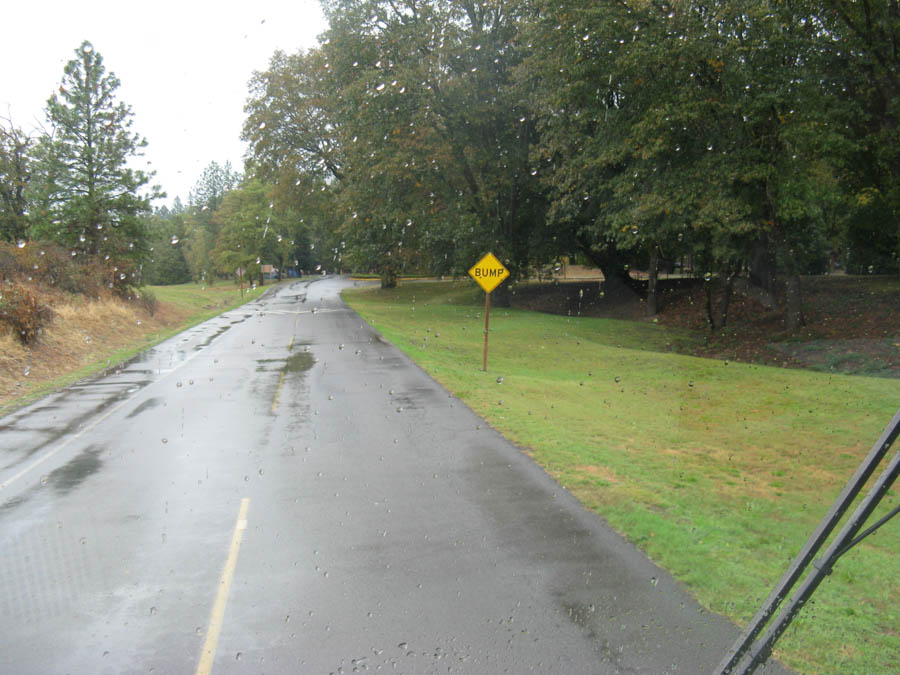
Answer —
(91, 195)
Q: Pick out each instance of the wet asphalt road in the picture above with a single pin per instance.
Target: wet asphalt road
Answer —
(387, 528)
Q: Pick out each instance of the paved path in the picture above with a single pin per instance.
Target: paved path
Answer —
(278, 490)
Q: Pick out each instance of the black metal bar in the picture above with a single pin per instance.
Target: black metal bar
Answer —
(813, 544)
(868, 531)
(761, 649)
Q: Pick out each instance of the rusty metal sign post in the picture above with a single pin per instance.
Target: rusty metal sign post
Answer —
(488, 273)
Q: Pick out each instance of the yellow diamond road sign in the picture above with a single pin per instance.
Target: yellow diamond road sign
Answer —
(489, 272)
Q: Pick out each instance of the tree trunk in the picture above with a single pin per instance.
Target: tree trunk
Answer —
(616, 280)
(717, 320)
(726, 300)
(763, 269)
(652, 279)
(388, 278)
(793, 301)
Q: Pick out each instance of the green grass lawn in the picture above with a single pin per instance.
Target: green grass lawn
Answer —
(719, 471)
(204, 302)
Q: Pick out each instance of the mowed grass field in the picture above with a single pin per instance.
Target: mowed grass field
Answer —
(719, 471)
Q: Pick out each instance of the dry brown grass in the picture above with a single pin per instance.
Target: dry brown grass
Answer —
(82, 332)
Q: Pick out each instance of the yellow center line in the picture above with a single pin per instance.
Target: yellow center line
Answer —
(218, 611)
(278, 392)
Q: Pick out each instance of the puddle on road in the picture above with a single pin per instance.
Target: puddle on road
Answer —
(212, 337)
(291, 299)
(297, 362)
(146, 405)
(69, 476)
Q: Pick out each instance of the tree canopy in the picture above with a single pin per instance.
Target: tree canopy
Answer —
(757, 139)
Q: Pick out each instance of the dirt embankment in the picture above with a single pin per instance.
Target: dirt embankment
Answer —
(852, 323)
(81, 332)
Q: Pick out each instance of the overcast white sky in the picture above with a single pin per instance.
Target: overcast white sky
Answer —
(184, 68)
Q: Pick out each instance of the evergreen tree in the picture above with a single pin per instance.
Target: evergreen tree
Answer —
(15, 175)
(91, 200)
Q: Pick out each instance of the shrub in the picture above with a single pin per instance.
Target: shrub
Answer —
(21, 311)
(146, 300)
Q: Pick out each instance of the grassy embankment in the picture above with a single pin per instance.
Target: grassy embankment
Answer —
(88, 335)
(718, 470)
